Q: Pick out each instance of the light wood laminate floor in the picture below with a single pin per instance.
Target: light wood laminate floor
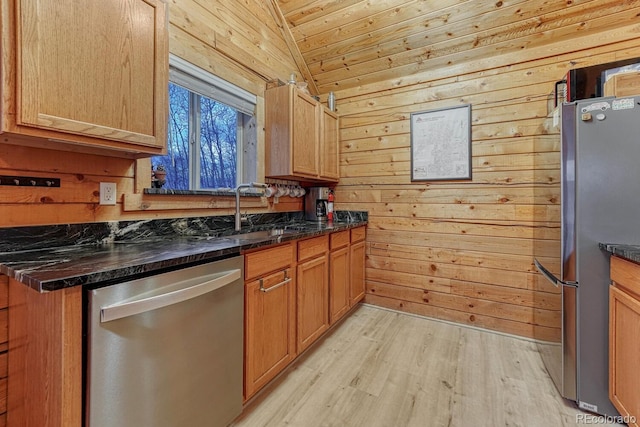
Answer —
(381, 368)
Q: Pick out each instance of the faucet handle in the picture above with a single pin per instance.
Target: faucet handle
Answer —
(258, 185)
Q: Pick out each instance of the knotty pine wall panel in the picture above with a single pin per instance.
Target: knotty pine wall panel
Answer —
(463, 250)
(365, 43)
(77, 198)
(236, 40)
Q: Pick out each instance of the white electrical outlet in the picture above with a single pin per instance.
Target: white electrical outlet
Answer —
(107, 193)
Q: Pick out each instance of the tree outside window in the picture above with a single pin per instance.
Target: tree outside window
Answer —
(213, 161)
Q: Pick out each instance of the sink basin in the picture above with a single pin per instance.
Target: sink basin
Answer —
(263, 234)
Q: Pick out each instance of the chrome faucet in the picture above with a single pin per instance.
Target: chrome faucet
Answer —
(238, 188)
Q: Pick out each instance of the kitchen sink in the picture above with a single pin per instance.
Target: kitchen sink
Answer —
(264, 234)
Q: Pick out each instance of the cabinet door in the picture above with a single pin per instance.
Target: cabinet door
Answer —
(329, 146)
(338, 283)
(97, 70)
(357, 272)
(305, 135)
(269, 328)
(313, 300)
(624, 348)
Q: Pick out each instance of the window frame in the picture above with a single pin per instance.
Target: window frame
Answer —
(202, 83)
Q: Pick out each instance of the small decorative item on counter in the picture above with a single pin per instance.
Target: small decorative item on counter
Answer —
(158, 177)
(330, 199)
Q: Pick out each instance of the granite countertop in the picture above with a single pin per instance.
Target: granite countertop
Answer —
(630, 252)
(94, 255)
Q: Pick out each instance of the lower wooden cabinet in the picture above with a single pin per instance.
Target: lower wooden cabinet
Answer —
(357, 259)
(45, 357)
(269, 315)
(339, 276)
(312, 290)
(293, 293)
(624, 345)
(286, 310)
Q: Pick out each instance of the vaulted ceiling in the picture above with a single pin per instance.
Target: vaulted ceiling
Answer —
(347, 43)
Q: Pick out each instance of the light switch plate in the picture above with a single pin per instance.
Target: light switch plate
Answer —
(107, 193)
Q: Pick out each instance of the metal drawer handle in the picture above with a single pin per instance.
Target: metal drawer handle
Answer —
(276, 286)
(191, 290)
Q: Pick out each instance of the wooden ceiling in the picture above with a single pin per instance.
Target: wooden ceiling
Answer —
(348, 43)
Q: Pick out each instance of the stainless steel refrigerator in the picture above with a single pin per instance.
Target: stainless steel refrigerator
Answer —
(600, 172)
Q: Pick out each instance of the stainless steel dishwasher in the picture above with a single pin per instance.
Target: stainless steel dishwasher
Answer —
(166, 350)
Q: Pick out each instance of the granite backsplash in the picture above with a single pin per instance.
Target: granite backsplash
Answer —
(14, 239)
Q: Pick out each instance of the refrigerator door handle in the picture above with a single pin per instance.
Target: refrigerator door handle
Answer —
(550, 277)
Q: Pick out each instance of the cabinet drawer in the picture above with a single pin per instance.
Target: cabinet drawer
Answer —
(358, 234)
(267, 260)
(313, 247)
(339, 239)
(625, 274)
(4, 291)
(273, 281)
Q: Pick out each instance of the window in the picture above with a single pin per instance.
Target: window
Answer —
(211, 132)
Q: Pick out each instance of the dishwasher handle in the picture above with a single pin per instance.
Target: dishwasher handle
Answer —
(143, 304)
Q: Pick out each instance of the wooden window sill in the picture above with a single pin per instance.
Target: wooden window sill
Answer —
(153, 199)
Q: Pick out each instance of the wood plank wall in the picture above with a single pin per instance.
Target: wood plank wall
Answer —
(463, 251)
(236, 40)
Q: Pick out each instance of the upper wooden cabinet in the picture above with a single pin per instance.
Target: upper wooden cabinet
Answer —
(329, 168)
(301, 136)
(94, 75)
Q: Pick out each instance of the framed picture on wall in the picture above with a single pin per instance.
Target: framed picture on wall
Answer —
(441, 144)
